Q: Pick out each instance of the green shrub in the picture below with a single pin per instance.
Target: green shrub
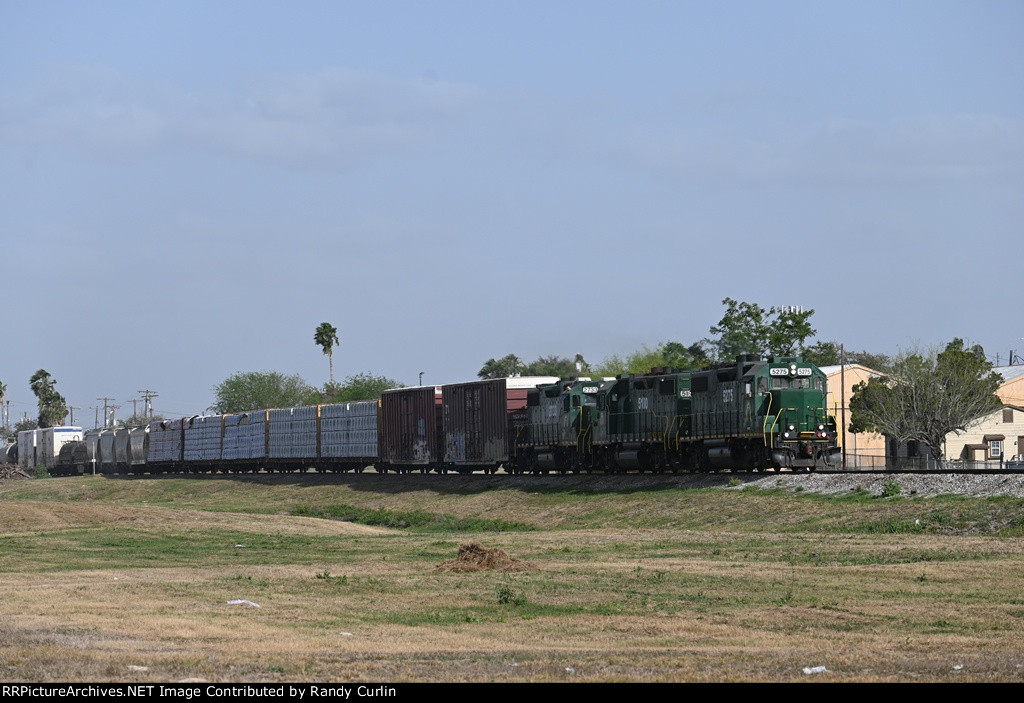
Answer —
(891, 488)
(510, 596)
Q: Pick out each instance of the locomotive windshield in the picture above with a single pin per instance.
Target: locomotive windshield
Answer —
(802, 382)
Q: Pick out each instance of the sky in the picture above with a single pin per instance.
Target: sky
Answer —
(190, 188)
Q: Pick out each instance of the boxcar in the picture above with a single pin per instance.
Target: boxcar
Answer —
(411, 435)
(479, 424)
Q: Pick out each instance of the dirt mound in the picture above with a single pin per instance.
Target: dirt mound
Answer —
(476, 557)
(12, 471)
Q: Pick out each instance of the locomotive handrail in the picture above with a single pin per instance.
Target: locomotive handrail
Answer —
(776, 421)
(767, 414)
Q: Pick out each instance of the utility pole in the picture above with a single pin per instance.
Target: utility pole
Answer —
(105, 411)
(72, 408)
(842, 401)
(148, 395)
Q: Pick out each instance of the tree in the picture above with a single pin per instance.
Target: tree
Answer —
(746, 328)
(52, 406)
(504, 367)
(6, 429)
(553, 365)
(742, 330)
(258, 390)
(875, 362)
(666, 354)
(142, 420)
(362, 386)
(823, 354)
(927, 396)
(26, 424)
(326, 336)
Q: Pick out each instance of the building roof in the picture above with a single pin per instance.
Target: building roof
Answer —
(1009, 373)
(829, 370)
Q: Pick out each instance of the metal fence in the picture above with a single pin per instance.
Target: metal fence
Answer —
(875, 462)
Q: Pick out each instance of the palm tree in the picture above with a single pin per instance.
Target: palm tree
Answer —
(326, 336)
(53, 407)
(41, 382)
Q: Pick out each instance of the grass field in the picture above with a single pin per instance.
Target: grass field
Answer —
(622, 579)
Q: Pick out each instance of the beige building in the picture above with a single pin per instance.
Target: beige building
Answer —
(998, 435)
(1012, 390)
(864, 447)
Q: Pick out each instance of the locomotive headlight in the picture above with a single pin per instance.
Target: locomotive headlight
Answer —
(791, 428)
(821, 427)
(792, 369)
(785, 435)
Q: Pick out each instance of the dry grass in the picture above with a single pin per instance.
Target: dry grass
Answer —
(476, 557)
(96, 587)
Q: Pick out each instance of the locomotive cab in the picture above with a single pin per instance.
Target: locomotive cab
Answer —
(798, 427)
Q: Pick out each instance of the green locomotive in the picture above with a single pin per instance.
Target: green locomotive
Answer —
(643, 422)
(753, 414)
(760, 414)
(557, 434)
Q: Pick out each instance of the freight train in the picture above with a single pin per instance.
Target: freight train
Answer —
(752, 414)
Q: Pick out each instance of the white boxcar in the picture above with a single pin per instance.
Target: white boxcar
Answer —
(42, 446)
(27, 449)
(49, 440)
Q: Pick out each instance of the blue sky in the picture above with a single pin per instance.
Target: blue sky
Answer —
(190, 188)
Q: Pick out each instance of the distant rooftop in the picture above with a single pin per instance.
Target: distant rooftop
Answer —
(1009, 372)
